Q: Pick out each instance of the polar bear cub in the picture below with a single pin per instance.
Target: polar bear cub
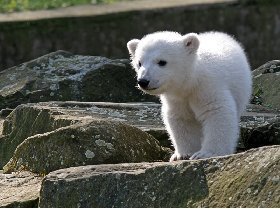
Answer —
(204, 83)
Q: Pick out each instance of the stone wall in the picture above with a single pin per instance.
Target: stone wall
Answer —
(256, 26)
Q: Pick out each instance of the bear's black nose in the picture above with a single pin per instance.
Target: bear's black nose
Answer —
(143, 83)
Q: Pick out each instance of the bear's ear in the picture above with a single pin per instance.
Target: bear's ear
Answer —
(191, 42)
(132, 45)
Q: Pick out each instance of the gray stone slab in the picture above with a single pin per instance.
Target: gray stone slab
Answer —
(19, 189)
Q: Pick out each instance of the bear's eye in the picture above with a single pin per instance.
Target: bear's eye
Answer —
(139, 63)
(162, 63)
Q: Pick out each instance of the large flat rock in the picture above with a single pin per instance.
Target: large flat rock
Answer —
(125, 185)
(19, 190)
(249, 179)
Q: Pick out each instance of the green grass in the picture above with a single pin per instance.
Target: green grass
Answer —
(7, 6)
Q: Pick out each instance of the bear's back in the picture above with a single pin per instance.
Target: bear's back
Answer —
(221, 52)
(218, 44)
(222, 64)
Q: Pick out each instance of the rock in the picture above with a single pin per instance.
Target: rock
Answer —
(125, 185)
(266, 88)
(19, 190)
(249, 179)
(97, 142)
(62, 76)
(5, 112)
(24, 122)
(259, 127)
(48, 136)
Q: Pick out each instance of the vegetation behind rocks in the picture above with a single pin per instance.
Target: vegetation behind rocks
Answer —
(25, 5)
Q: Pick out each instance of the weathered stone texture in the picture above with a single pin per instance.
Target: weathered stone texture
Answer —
(249, 179)
(125, 185)
(19, 190)
(97, 142)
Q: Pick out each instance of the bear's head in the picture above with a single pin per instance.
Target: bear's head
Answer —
(163, 60)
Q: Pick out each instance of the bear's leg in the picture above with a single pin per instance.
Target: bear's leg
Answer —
(220, 130)
(185, 136)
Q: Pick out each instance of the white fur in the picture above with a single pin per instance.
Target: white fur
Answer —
(204, 88)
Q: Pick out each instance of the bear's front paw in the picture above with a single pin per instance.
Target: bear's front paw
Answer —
(202, 154)
(177, 156)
